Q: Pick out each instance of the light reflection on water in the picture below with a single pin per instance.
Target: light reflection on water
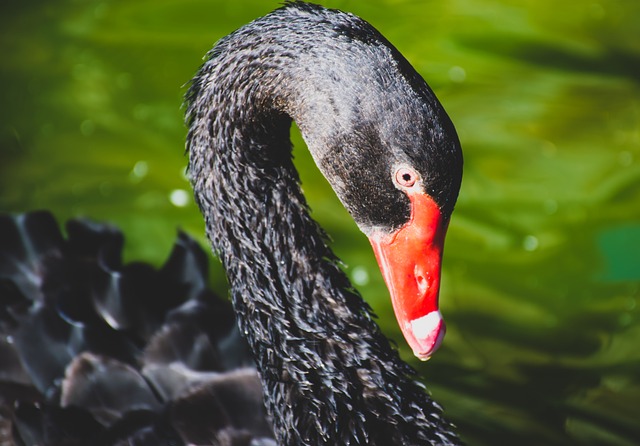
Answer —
(541, 276)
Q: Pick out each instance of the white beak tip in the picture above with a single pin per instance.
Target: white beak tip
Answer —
(428, 332)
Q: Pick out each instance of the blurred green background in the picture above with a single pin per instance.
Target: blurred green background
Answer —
(541, 275)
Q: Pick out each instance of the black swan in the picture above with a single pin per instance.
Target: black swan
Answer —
(98, 352)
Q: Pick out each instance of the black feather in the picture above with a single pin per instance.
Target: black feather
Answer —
(89, 355)
(329, 374)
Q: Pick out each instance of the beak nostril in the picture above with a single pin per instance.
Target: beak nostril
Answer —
(422, 283)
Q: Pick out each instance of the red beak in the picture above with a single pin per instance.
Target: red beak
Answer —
(410, 261)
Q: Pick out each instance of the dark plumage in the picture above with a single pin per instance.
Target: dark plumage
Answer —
(329, 374)
(101, 353)
(155, 365)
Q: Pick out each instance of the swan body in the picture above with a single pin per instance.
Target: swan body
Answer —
(328, 374)
(97, 352)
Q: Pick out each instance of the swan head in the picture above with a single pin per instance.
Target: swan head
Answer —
(387, 147)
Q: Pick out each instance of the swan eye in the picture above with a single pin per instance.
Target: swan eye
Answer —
(406, 177)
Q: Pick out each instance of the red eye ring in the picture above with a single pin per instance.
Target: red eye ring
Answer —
(406, 177)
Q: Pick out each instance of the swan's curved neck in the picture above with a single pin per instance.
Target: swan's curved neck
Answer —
(330, 376)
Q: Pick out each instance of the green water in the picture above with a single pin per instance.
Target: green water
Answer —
(541, 277)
